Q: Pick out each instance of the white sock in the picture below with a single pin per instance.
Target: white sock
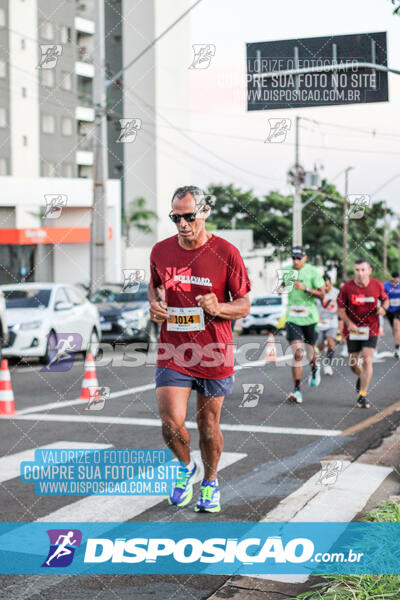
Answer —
(190, 466)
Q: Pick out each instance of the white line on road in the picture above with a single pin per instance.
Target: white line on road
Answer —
(10, 464)
(341, 502)
(110, 420)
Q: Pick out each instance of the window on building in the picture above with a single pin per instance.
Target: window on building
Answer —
(66, 126)
(24, 140)
(3, 117)
(65, 34)
(3, 166)
(46, 30)
(48, 124)
(24, 92)
(2, 17)
(66, 80)
(3, 68)
(47, 77)
(23, 46)
(67, 170)
(49, 168)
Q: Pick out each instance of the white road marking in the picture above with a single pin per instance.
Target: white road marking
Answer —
(10, 464)
(110, 420)
(340, 502)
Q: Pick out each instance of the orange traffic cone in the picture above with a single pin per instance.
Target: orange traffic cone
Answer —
(7, 406)
(89, 378)
(270, 351)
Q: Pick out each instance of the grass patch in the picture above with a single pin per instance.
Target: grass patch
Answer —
(361, 587)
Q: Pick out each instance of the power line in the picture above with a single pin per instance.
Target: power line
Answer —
(152, 43)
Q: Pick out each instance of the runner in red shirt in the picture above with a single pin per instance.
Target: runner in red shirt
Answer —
(198, 285)
(359, 309)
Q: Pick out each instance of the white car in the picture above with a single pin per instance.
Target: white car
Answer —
(265, 313)
(40, 315)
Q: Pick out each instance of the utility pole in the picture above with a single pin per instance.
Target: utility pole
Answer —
(385, 238)
(98, 223)
(297, 233)
(345, 221)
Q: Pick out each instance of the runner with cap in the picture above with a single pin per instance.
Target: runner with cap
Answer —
(302, 318)
(328, 323)
(206, 287)
(392, 288)
(358, 303)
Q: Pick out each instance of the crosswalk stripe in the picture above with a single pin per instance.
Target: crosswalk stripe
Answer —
(10, 464)
(110, 420)
(341, 502)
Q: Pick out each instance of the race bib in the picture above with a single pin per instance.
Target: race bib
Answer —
(362, 333)
(394, 302)
(185, 318)
(298, 311)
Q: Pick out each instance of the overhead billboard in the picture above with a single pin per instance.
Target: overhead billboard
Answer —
(332, 71)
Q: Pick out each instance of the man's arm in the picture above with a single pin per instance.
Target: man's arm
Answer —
(237, 309)
(317, 293)
(349, 323)
(158, 306)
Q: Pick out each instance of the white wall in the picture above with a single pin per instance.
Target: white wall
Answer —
(24, 112)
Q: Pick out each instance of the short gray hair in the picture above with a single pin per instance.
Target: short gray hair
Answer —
(198, 194)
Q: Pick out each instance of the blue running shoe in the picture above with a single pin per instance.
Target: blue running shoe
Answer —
(314, 379)
(295, 396)
(182, 490)
(209, 500)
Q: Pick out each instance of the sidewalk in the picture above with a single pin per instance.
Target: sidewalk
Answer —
(384, 462)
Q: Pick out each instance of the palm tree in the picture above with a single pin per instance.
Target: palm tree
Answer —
(139, 216)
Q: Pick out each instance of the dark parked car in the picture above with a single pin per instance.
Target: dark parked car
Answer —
(124, 315)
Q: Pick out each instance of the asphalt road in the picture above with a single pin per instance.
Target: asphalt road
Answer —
(265, 465)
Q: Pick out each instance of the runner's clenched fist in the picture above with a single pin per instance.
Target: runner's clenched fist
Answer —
(209, 303)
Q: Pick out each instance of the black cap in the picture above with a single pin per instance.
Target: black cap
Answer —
(298, 251)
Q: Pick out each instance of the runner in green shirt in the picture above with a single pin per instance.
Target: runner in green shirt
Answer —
(302, 317)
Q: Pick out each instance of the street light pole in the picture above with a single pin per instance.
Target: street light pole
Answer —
(385, 238)
(98, 223)
(297, 233)
(345, 221)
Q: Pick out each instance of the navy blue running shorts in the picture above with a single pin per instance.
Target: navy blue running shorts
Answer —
(206, 387)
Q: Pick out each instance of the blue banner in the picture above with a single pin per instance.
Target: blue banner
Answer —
(198, 547)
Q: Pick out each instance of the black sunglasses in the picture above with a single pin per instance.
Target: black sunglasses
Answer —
(297, 257)
(189, 217)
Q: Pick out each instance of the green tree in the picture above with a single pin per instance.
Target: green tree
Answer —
(139, 216)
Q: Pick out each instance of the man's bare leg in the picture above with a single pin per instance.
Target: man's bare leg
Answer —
(172, 403)
(366, 369)
(211, 439)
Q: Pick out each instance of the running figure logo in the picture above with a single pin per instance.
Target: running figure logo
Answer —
(278, 130)
(285, 282)
(203, 54)
(132, 280)
(251, 394)
(54, 205)
(62, 355)
(129, 129)
(63, 543)
(97, 397)
(50, 54)
(357, 203)
(330, 471)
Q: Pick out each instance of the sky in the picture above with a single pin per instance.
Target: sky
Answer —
(229, 141)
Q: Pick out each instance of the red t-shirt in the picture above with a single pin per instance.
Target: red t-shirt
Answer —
(361, 302)
(215, 267)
